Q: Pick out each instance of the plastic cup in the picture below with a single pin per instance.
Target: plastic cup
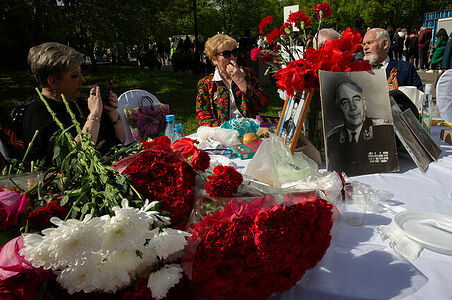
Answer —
(354, 207)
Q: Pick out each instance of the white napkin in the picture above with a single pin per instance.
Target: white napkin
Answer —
(399, 241)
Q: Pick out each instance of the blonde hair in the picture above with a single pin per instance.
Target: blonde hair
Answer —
(52, 59)
(216, 42)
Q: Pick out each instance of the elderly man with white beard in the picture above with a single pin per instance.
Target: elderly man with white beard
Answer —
(376, 47)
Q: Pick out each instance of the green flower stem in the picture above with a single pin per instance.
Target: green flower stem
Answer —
(54, 116)
(318, 29)
(29, 148)
(74, 120)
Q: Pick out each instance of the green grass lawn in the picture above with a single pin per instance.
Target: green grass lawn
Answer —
(176, 89)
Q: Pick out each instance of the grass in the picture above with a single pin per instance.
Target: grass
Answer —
(176, 89)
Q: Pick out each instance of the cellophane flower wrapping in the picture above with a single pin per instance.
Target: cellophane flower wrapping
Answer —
(249, 248)
(147, 121)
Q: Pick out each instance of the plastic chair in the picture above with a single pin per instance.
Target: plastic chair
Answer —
(416, 96)
(444, 95)
(132, 99)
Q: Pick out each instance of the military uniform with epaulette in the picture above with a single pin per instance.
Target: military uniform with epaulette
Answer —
(369, 153)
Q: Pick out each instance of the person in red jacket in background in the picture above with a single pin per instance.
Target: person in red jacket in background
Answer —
(424, 38)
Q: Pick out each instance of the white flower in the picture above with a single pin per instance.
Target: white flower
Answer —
(161, 281)
(127, 229)
(148, 259)
(168, 241)
(70, 242)
(35, 251)
(99, 272)
(154, 215)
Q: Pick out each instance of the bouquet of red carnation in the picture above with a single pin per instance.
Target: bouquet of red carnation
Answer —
(161, 174)
(297, 70)
(249, 248)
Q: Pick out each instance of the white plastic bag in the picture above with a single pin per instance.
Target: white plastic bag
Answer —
(214, 137)
(275, 165)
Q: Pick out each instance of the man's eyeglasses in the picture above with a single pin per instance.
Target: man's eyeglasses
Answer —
(227, 53)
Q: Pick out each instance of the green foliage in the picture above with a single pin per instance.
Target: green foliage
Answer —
(80, 177)
(176, 89)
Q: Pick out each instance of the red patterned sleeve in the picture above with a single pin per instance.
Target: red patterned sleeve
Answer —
(255, 97)
(204, 109)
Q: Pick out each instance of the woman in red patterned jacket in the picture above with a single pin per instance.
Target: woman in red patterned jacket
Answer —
(231, 91)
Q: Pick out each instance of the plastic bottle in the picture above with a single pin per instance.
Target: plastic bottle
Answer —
(426, 108)
(169, 129)
(178, 131)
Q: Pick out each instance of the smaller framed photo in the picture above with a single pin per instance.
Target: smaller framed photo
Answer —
(292, 117)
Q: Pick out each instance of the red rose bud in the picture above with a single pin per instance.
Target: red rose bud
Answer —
(185, 146)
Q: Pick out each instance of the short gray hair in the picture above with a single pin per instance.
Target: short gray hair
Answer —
(382, 34)
(325, 34)
(346, 81)
(52, 59)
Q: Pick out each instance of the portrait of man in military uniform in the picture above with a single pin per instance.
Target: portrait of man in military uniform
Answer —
(290, 125)
(360, 144)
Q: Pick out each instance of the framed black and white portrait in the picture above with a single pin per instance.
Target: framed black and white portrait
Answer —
(292, 117)
(357, 122)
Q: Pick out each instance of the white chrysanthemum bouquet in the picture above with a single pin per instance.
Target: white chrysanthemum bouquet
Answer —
(80, 230)
(106, 253)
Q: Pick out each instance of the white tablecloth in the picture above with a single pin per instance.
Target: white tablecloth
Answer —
(359, 265)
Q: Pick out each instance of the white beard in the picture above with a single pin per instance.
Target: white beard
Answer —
(371, 58)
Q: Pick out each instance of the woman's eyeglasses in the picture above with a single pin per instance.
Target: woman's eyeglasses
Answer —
(227, 53)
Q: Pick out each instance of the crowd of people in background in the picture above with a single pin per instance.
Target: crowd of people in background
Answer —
(181, 53)
(416, 47)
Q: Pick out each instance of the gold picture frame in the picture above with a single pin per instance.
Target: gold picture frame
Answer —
(292, 117)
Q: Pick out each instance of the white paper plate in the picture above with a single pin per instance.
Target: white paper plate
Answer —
(431, 230)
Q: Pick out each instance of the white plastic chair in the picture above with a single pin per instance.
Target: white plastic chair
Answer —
(132, 99)
(415, 95)
(444, 95)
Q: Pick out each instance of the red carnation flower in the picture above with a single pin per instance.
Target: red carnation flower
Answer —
(39, 217)
(265, 59)
(298, 17)
(224, 182)
(255, 52)
(57, 210)
(273, 36)
(265, 21)
(322, 10)
(282, 29)
(200, 160)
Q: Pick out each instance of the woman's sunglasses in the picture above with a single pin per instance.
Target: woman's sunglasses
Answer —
(227, 53)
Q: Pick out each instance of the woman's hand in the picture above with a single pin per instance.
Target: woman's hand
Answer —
(237, 75)
(111, 107)
(95, 101)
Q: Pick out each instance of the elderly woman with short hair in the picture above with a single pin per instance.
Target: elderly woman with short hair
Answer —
(232, 91)
(56, 68)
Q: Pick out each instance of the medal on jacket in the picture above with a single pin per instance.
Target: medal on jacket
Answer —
(368, 133)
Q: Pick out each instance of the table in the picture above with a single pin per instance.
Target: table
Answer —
(359, 265)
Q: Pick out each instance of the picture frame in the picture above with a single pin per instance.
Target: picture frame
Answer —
(357, 122)
(292, 117)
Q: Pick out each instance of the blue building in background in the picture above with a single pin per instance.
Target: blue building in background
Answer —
(436, 20)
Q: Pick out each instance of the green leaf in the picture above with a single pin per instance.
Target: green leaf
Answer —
(85, 208)
(64, 200)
